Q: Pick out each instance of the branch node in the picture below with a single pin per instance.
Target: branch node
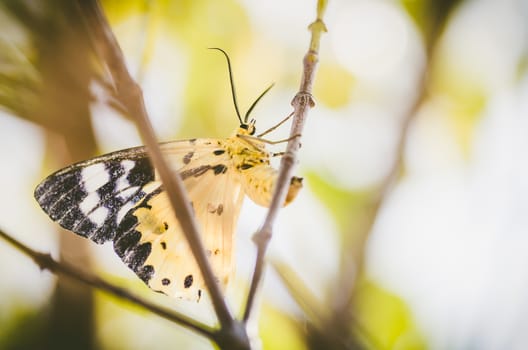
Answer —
(303, 98)
(43, 261)
(262, 236)
(289, 158)
(301, 103)
(233, 337)
(318, 26)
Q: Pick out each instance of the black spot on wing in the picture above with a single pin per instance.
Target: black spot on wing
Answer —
(187, 283)
(198, 171)
(219, 169)
(187, 158)
(218, 152)
(246, 166)
(165, 281)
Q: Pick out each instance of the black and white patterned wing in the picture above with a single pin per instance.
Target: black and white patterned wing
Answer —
(91, 197)
(118, 197)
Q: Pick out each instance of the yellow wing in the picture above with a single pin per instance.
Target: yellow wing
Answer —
(150, 240)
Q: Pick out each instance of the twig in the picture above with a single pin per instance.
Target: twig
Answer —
(301, 103)
(302, 295)
(131, 96)
(353, 268)
(45, 261)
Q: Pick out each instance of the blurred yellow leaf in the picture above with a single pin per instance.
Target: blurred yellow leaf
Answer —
(333, 86)
(279, 331)
(464, 100)
(385, 319)
(348, 207)
(118, 10)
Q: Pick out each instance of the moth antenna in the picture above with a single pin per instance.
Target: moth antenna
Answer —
(256, 101)
(233, 93)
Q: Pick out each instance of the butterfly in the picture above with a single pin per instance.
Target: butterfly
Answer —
(119, 198)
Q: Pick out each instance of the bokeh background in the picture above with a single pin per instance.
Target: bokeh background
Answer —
(440, 263)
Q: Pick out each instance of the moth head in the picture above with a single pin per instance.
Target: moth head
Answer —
(247, 128)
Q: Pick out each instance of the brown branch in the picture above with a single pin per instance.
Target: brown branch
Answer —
(301, 103)
(45, 261)
(334, 323)
(131, 96)
(353, 266)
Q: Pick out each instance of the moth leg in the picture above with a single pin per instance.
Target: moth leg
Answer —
(275, 126)
(256, 138)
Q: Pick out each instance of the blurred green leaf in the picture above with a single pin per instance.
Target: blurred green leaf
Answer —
(347, 207)
(23, 330)
(118, 10)
(279, 330)
(385, 319)
(333, 86)
(430, 16)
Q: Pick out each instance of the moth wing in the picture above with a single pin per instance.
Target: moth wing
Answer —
(97, 199)
(150, 239)
(91, 197)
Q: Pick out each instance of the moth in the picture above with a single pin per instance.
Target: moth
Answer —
(119, 198)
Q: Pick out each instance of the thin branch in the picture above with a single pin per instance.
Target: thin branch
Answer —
(353, 267)
(45, 261)
(353, 263)
(131, 96)
(301, 103)
(379, 197)
(300, 293)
